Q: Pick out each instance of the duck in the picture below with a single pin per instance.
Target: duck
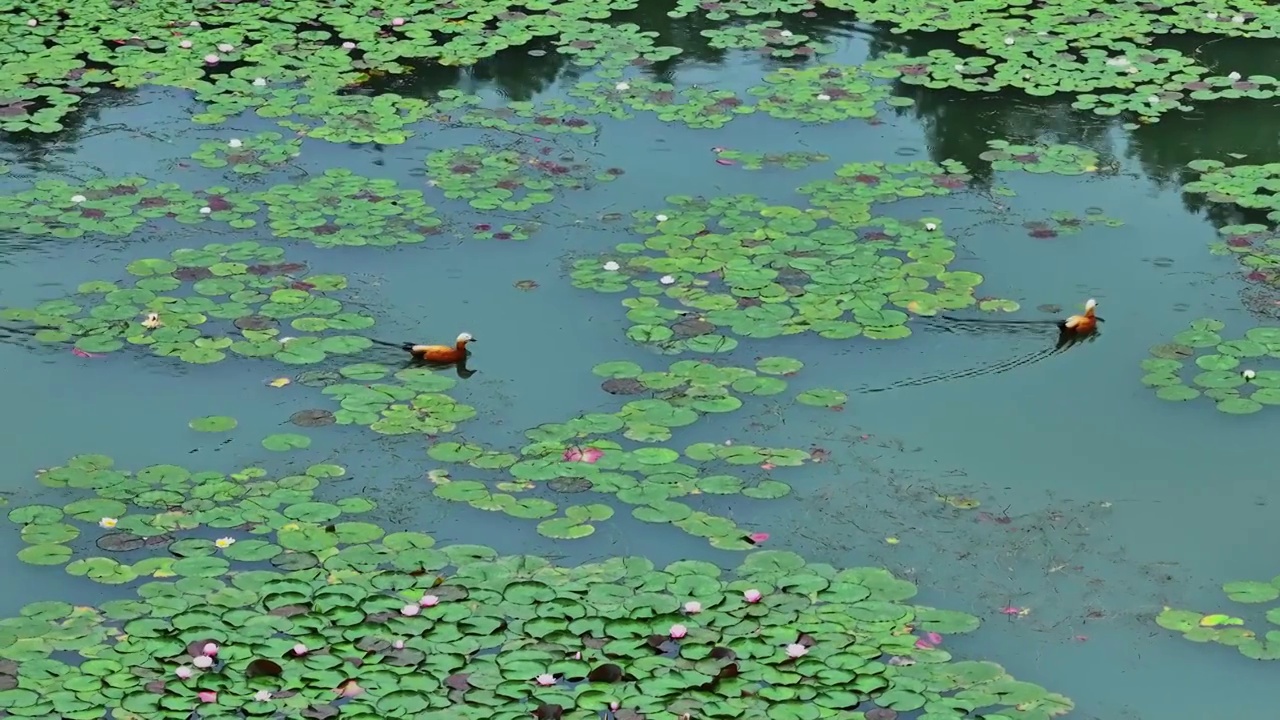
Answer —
(1084, 324)
(440, 354)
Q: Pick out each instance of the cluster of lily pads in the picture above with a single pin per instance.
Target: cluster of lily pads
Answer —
(580, 455)
(1256, 246)
(1225, 628)
(1252, 187)
(710, 270)
(203, 520)
(249, 156)
(1232, 373)
(411, 400)
(504, 179)
(393, 626)
(334, 208)
(200, 304)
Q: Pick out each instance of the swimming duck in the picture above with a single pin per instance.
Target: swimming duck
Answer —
(1082, 324)
(442, 354)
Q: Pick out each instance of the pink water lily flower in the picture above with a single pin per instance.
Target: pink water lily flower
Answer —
(678, 631)
(752, 596)
(299, 649)
(183, 672)
(207, 696)
(209, 649)
(545, 679)
(795, 650)
(429, 601)
(929, 641)
(81, 353)
(587, 455)
(409, 610)
(693, 607)
(758, 537)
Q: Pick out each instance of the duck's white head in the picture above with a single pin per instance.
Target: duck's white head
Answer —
(465, 337)
(1091, 304)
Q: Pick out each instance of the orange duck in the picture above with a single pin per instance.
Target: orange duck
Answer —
(440, 354)
(1079, 327)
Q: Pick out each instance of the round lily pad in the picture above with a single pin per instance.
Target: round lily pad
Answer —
(213, 423)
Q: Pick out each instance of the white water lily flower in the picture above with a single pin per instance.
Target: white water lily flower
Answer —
(1118, 61)
(1212, 16)
(78, 199)
(260, 82)
(667, 280)
(226, 47)
(660, 218)
(611, 266)
(1233, 75)
(206, 210)
(1008, 41)
(823, 97)
(33, 22)
(225, 542)
(1248, 374)
(193, 23)
(1153, 99)
(1237, 19)
(785, 33)
(108, 522)
(930, 226)
(621, 87)
(235, 142)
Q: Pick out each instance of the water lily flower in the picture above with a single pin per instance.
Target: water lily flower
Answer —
(785, 33)
(1014, 610)
(1237, 18)
(1008, 41)
(194, 23)
(752, 596)
(614, 705)
(898, 661)
(32, 22)
(348, 45)
(78, 199)
(795, 650)
(409, 610)
(183, 672)
(224, 542)
(693, 607)
(611, 266)
(587, 455)
(299, 649)
(823, 97)
(260, 82)
(667, 280)
(398, 644)
(206, 210)
(397, 21)
(185, 44)
(262, 695)
(211, 59)
(1233, 75)
(207, 696)
(758, 537)
(152, 321)
(1248, 374)
(621, 87)
(1119, 61)
(930, 226)
(204, 662)
(545, 679)
(678, 631)
(1154, 99)
(429, 601)
(226, 47)
(660, 218)
(235, 142)
(108, 522)
(209, 649)
(1212, 16)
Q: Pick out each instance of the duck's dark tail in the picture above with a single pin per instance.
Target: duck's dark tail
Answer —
(408, 347)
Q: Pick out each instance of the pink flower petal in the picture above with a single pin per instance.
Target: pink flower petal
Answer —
(934, 638)
(724, 161)
(207, 696)
(591, 455)
(758, 537)
(572, 454)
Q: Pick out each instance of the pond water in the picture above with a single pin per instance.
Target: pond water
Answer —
(732, 302)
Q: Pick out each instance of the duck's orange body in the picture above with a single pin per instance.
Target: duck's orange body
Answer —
(443, 354)
(1082, 324)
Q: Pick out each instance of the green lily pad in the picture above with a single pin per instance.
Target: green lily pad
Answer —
(213, 423)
